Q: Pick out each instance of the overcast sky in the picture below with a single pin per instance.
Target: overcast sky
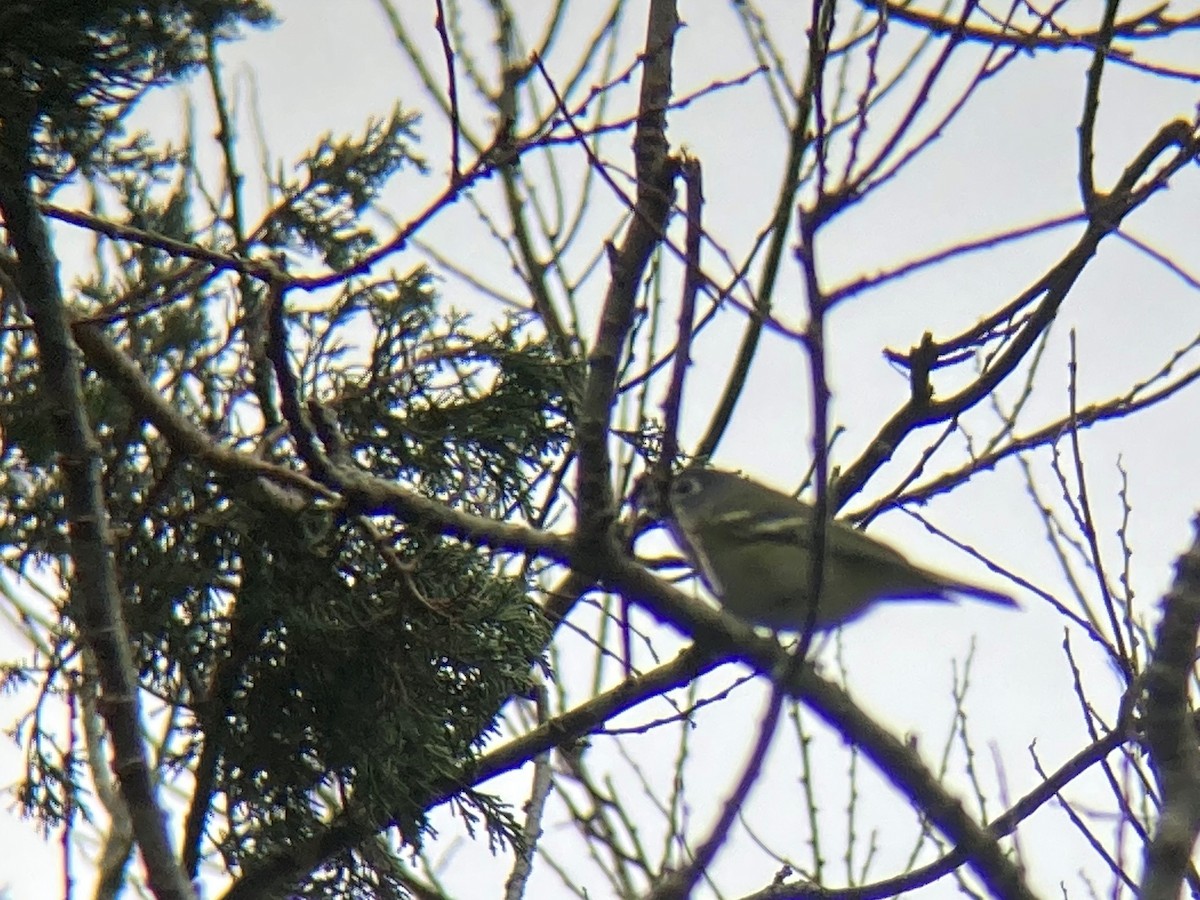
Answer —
(1009, 160)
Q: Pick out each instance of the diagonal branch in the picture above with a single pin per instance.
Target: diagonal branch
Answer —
(655, 176)
(95, 603)
(1105, 217)
(709, 627)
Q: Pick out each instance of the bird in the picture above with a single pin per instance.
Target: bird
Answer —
(752, 546)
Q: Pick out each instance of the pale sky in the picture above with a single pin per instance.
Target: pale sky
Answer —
(1008, 161)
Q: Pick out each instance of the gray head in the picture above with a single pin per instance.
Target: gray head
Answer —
(703, 493)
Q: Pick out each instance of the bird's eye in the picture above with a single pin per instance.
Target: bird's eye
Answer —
(685, 486)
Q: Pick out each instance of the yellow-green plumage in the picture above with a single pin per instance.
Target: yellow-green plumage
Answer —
(753, 547)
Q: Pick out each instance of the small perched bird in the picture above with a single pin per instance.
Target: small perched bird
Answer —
(753, 547)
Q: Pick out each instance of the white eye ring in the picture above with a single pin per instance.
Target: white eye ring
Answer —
(685, 486)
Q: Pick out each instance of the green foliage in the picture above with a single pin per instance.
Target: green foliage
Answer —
(322, 213)
(310, 659)
(316, 666)
(435, 403)
(72, 70)
(313, 661)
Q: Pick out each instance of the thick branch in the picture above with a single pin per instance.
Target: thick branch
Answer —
(655, 175)
(896, 761)
(95, 603)
(1171, 732)
(710, 628)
